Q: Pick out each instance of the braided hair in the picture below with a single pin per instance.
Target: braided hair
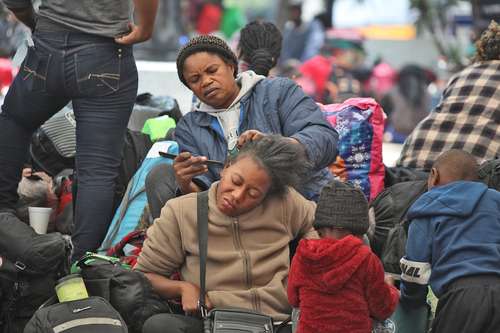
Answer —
(260, 46)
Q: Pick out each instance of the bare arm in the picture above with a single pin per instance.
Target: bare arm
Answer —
(145, 14)
(171, 289)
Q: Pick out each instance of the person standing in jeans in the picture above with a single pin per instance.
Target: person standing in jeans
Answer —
(81, 52)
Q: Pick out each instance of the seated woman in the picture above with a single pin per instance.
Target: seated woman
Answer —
(253, 214)
(232, 111)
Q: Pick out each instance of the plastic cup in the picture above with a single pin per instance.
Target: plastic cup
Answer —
(39, 218)
(71, 288)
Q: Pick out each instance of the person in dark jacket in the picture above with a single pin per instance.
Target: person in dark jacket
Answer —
(454, 245)
(233, 110)
(337, 282)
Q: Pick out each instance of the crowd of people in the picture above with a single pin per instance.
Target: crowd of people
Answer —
(274, 187)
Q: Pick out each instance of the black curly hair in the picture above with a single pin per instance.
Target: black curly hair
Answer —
(260, 46)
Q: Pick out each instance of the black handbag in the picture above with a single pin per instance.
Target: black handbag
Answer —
(223, 320)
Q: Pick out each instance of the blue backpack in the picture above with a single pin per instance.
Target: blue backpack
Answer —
(131, 208)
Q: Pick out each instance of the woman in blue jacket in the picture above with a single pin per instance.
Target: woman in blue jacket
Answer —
(232, 110)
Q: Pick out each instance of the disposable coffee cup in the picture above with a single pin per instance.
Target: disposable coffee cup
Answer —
(71, 288)
(39, 218)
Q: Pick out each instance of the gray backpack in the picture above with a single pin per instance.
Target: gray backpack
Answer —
(93, 314)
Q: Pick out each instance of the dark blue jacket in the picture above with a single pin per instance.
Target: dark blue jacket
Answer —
(274, 105)
(454, 232)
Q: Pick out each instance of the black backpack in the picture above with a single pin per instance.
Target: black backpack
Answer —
(388, 214)
(394, 175)
(128, 291)
(21, 297)
(29, 266)
(93, 314)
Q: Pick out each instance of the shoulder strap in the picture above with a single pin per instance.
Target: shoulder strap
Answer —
(202, 216)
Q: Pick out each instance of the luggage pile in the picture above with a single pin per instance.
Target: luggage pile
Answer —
(31, 264)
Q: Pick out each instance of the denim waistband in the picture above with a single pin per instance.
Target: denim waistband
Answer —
(48, 29)
(475, 280)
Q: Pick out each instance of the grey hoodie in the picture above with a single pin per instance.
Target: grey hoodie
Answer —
(229, 119)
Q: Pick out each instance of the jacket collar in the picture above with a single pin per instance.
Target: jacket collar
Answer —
(203, 119)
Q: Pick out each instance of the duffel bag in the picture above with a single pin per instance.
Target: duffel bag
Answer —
(31, 253)
(128, 291)
(30, 264)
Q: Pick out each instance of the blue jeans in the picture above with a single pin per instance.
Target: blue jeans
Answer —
(100, 78)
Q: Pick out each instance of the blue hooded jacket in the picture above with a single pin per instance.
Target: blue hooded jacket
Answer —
(454, 232)
(273, 106)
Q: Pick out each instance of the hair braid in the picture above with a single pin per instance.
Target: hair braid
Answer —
(260, 46)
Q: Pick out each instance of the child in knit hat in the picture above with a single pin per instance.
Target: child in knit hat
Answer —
(336, 281)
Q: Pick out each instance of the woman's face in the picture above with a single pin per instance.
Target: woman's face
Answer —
(242, 187)
(211, 79)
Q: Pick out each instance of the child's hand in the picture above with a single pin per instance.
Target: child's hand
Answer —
(389, 279)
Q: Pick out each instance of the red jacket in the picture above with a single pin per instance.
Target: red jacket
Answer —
(318, 69)
(209, 19)
(338, 286)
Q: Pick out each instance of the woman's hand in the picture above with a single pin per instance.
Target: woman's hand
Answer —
(186, 167)
(250, 135)
(190, 294)
(136, 34)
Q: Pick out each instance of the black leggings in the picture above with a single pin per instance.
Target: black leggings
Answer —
(174, 323)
